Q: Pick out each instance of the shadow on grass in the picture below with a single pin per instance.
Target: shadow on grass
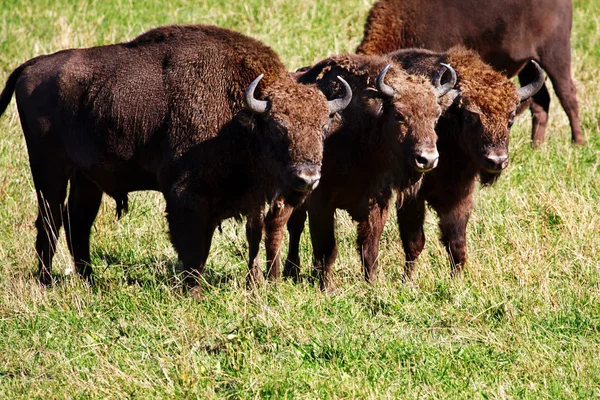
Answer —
(147, 272)
(153, 271)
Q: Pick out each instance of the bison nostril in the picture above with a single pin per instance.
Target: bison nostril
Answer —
(426, 160)
(496, 162)
(305, 180)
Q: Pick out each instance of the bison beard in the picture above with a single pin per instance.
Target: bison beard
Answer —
(506, 35)
(166, 112)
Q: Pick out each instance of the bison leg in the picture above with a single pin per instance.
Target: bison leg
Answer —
(411, 216)
(191, 229)
(295, 227)
(84, 201)
(558, 66)
(322, 232)
(453, 226)
(369, 234)
(254, 229)
(276, 219)
(50, 180)
(539, 106)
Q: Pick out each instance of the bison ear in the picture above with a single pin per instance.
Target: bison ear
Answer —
(446, 101)
(246, 119)
(372, 98)
(524, 105)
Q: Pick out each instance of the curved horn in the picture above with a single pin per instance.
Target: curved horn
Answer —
(437, 80)
(252, 104)
(342, 102)
(532, 88)
(385, 90)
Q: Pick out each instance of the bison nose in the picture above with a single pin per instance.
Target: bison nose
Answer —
(425, 159)
(305, 179)
(496, 162)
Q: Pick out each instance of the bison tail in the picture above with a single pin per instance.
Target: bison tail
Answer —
(11, 84)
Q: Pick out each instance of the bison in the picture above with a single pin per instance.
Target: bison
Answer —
(207, 116)
(384, 140)
(506, 33)
(473, 135)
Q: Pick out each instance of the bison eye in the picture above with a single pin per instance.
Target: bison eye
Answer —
(325, 131)
(277, 131)
(511, 120)
(399, 117)
(471, 118)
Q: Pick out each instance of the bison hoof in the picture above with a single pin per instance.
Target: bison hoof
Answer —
(196, 293)
(255, 279)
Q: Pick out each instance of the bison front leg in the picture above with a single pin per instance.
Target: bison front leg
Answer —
(322, 232)
(82, 208)
(453, 226)
(411, 216)
(191, 230)
(275, 221)
(369, 235)
(295, 227)
(254, 229)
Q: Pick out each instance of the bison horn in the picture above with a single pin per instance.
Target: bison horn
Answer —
(385, 90)
(253, 104)
(532, 88)
(342, 102)
(437, 80)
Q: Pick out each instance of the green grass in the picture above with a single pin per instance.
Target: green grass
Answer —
(523, 322)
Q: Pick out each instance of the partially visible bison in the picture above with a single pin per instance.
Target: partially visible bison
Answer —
(473, 134)
(384, 141)
(208, 116)
(506, 33)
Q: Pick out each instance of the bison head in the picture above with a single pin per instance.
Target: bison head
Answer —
(411, 111)
(293, 121)
(484, 107)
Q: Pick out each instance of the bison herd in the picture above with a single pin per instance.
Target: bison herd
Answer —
(213, 120)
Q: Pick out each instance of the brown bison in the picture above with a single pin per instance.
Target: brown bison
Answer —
(384, 140)
(473, 134)
(506, 33)
(209, 117)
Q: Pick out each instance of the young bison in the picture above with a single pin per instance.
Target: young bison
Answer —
(506, 33)
(384, 140)
(173, 110)
(473, 135)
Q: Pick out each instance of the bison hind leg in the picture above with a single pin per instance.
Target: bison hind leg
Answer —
(51, 189)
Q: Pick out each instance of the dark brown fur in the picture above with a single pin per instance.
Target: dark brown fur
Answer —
(476, 124)
(163, 112)
(365, 159)
(507, 34)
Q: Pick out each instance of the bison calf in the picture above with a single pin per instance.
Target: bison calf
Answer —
(209, 117)
(384, 140)
(473, 134)
(507, 34)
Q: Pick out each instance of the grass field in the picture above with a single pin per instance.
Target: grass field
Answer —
(523, 322)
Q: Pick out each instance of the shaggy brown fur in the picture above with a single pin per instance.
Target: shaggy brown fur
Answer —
(507, 34)
(475, 126)
(164, 112)
(368, 154)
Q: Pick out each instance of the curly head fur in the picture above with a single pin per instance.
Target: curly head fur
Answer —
(484, 90)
